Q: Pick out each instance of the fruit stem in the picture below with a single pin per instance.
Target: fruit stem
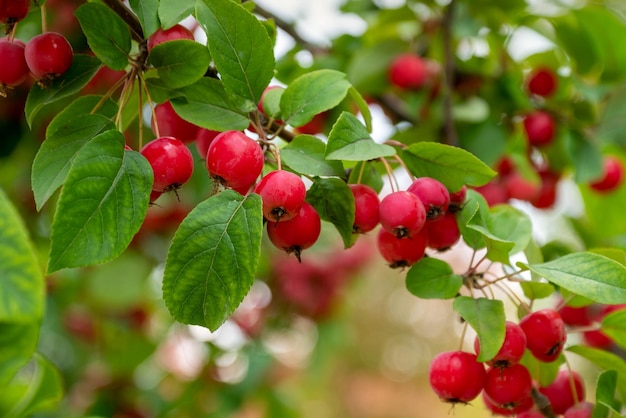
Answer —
(451, 137)
(109, 93)
(463, 332)
(392, 178)
(44, 19)
(572, 383)
(358, 180)
(151, 103)
(399, 160)
(542, 403)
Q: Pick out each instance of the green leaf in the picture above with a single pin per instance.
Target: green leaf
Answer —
(349, 140)
(590, 275)
(181, 62)
(543, 373)
(363, 107)
(102, 205)
(82, 105)
(536, 290)
(161, 92)
(57, 152)
(206, 104)
(605, 360)
(614, 326)
(213, 259)
(172, 12)
(431, 278)
(82, 70)
(364, 172)
(271, 101)
(305, 155)
(241, 49)
(452, 166)
(487, 318)
(605, 395)
(22, 285)
(312, 93)
(107, 34)
(333, 200)
(475, 211)
(147, 13)
(17, 344)
(586, 156)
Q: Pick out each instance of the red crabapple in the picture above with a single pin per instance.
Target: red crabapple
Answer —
(171, 162)
(433, 194)
(457, 199)
(508, 387)
(612, 175)
(560, 393)
(170, 124)
(539, 127)
(580, 410)
(12, 11)
(512, 349)
(456, 376)
(48, 55)
(494, 193)
(402, 213)
(444, 232)
(171, 34)
(16, 72)
(542, 82)
(545, 334)
(408, 71)
(283, 194)
(401, 252)
(298, 233)
(509, 411)
(366, 208)
(518, 187)
(547, 191)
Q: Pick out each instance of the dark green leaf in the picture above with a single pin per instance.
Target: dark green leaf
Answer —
(605, 395)
(365, 172)
(206, 104)
(305, 155)
(161, 92)
(431, 278)
(57, 152)
(147, 12)
(82, 70)
(605, 360)
(349, 140)
(333, 200)
(21, 282)
(312, 93)
(172, 12)
(83, 105)
(590, 275)
(452, 166)
(213, 259)
(107, 34)
(102, 205)
(241, 49)
(271, 101)
(487, 318)
(475, 211)
(17, 345)
(181, 62)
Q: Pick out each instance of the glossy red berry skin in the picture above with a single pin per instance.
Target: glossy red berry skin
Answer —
(14, 71)
(171, 162)
(283, 194)
(433, 194)
(540, 128)
(560, 392)
(575, 316)
(612, 175)
(170, 124)
(512, 349)
(171, 34)
(444, 232)
(509, 411)
(542, 82)
(298, 233)
(508, 387)
(402, 214)
(12, 11)
(456, 376)
(401, 252)
(48, 55)
(234, 160)
(366, 208)
(545, 334)
(408, 71)
(580, 410)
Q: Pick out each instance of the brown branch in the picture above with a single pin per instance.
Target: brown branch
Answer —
(451, 137)
(128, 16)
(543, 404)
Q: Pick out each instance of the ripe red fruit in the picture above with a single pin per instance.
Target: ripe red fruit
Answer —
(298, 233)
(402, 214)
(560, 392)
(444, 232)
(509, 411)
(532, 413)
(597, 338)
(234, 160)
(12, 11)
(545, 334)
(540, 128)
(401, 252)
(203, 141)
(518, 187)
(542, 82)
(547, 191)
(612, 175)
(433, 194)
(283, 194)
(262, 100)
(408, 71)
(580, 410)
(14, 70)
(494, 193)
(170, 124)
(456, 376)
(366, 208)
(512, 349)
(508, 387)
(48, 55)
(171, 161)
(171, 34)
(575, 316)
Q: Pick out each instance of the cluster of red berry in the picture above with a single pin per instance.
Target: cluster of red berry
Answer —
(506, 385)
(45, 57)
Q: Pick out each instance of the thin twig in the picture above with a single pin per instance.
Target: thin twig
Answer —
(451, 137)
(542, 403)
(128, 16)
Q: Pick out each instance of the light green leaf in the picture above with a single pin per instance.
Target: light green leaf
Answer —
(431, 278)
(22, 285)
(107, 34)
(349, 140)
(333, 200)
(365, 172)
(452, 166)
(240, 47)
(305, 155)
(17, 344)
(102, 205)
(312, 93)
(541, 372)
(590, 275)
(146, 11)
(213, 259)
(363, 107)
(475, 212)
(172, 12)
(606, 404)
(487, 318)
(181, 62)
(614, 326)
(605, 360)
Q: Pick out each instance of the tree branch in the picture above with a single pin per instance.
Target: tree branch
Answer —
(542, 403)
(451, 137)
(128, 16)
